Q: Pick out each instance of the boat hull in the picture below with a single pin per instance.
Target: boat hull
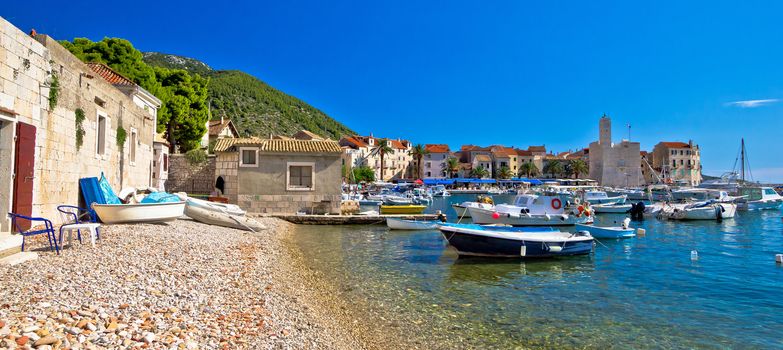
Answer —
(402, 224)
(139, 213)
(485, 216)
(611, 208)
(402, 209)
(761, 205)
(213, 217)
(607, 232)
(608, 200)
(727, 211)
(469, 243)
(462, 212)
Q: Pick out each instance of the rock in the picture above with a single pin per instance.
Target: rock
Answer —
(22, 340)
(123, 306)
(47, 340)
(29, 329)
(83, 323)
(32, 335)
(73, 330)
(111, 327)
(149, 337)
(91, 326)
(83, 313)
(42, 332)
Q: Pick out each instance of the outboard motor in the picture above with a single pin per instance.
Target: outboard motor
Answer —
(637, 211)
(719, 212)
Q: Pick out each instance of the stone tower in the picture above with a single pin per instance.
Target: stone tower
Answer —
(605, 131)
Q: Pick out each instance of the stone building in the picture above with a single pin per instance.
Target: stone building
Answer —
(362, 151)
(280, 176)
(435, 161)
(218, 129)
(44, 90)
(678, 162)
(614, 164)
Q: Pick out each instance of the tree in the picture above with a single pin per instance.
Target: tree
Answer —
(119, 55)
(553, 167)
(418, 152)
(578, 167)
(185, 115)
(381, 149)
(363, 174)
(479, 172)
(504, 173)
(528, 169)
(451, 167)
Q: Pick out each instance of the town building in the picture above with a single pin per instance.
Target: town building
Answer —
(362, 151)
(678, 162)
(59, 122)
(435, 161)
(614, 164)
(160, 162)
(280, 176)
(218, 129)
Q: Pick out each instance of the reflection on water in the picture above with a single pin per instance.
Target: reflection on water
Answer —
(644, 292)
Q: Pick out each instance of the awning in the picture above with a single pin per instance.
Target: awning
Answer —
(438, 182)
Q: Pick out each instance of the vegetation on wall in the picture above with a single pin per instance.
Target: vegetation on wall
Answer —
(196, 156)
(79, 127)
(122, 135)
(54, 91)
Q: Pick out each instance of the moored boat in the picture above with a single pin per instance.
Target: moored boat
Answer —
(139, 213)
(532, 210)
(609, 232)
(759, 198)
(699, 211)
(403, 209)
(510, 242)
(600, 197)
(611, 208)
(404, 224)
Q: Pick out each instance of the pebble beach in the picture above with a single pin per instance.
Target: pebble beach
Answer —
(180, 285)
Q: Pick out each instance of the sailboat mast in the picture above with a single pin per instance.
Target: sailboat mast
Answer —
(743, 160)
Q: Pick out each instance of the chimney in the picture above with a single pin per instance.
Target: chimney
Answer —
(221, 119)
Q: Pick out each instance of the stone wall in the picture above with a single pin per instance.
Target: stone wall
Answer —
(226, 165)
(26, 68)
(191, 178)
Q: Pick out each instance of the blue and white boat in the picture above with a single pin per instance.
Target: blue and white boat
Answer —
(609, 232)
(600, 197)
(514, 242)
(759, 198)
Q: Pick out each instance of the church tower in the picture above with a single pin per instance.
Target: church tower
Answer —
(605, 131)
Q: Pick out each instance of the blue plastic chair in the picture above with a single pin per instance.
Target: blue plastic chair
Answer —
(48, 229)
(74, 215)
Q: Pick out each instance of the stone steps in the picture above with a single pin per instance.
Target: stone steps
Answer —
(10, 244)
(18, 258)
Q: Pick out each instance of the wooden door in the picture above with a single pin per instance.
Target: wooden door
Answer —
(24, 163)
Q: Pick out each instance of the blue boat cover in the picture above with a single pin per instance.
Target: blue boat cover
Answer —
(160, 197)
(108, 194)
(91, 191)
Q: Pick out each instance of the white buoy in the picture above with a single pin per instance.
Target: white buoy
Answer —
(779, 258)
(694, 255)
(640, 231)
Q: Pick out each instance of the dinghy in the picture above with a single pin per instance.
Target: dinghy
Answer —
(403, 224)
(699, 211)
(600, 197)
(611, 208)
(609, 232)
(513, 242)
(215, 215)
(139, 213)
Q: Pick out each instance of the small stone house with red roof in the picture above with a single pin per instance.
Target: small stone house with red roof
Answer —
(678, 162)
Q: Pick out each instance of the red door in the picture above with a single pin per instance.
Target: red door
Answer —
(24, 161)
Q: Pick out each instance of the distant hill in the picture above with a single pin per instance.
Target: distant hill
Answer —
(256, 108)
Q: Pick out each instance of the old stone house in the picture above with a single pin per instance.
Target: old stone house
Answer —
(218, 129)
(614, 164)
(48, 98)
(280, 175)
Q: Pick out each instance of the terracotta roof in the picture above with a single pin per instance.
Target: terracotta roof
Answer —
(523, 152)
(643, 153)
(217, 126)
(109, 74)
(283, 146)
(504, 152)
(483, 158)
(355, 141)
(675, 144)
(396, 144)
(437, 148)
(307, 135)
(536, 148)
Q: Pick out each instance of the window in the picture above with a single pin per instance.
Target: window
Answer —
(674, 163)
(674, 152)
(165, 162)
(300, 176)
(682, 162)
(248, 157)
(134, 140)
(101, 140)
(427, 165)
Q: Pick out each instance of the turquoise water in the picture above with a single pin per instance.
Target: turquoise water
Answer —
(643, 292)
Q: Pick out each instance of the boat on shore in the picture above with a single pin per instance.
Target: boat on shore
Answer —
(139, 213)
(216, 215)
(622, 231)
(403, 209)
(511, 242)
(405, 224)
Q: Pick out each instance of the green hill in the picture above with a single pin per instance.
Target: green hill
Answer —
(256, 108)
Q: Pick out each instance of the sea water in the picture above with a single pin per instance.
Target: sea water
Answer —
(644, 292)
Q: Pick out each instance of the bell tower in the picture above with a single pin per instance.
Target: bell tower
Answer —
(605, 131)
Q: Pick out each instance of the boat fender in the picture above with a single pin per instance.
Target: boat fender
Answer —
(556, 203)
(555, 249)
(563, 217)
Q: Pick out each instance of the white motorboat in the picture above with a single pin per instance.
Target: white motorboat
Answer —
(531, 210)
(403, 224)
(709, 210)
(609, 232)
(462, 208)
(611, 208)
(139, 213)
(759, 198)
(600, 197)
(699, 194)
(440, 191)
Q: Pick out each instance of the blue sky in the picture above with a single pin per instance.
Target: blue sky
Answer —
(501, 72)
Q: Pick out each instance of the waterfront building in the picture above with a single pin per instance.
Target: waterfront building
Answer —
(678, 162)
(49, 97)
(435, 161)
(362, 151)
(280, 176)
(614, 164)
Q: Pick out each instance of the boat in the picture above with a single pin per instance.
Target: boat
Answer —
(215, 214)
(611, 208)
(600, 197)
(370, 202)
(532, 210)
(481, 202)
(699, 194)
(440, 191)
(633, 194)
(622, 231)
(707, 210)
(403, 224)
(231, 209)
(403, 209)
(511, 242)
(759, 198)
(139, 213)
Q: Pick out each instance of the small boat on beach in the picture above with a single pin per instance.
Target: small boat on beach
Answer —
(215, 214)
(403, 209)
(609, 232)
(139, 213)
(404, 224)
(512, 242)
(611, 208)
